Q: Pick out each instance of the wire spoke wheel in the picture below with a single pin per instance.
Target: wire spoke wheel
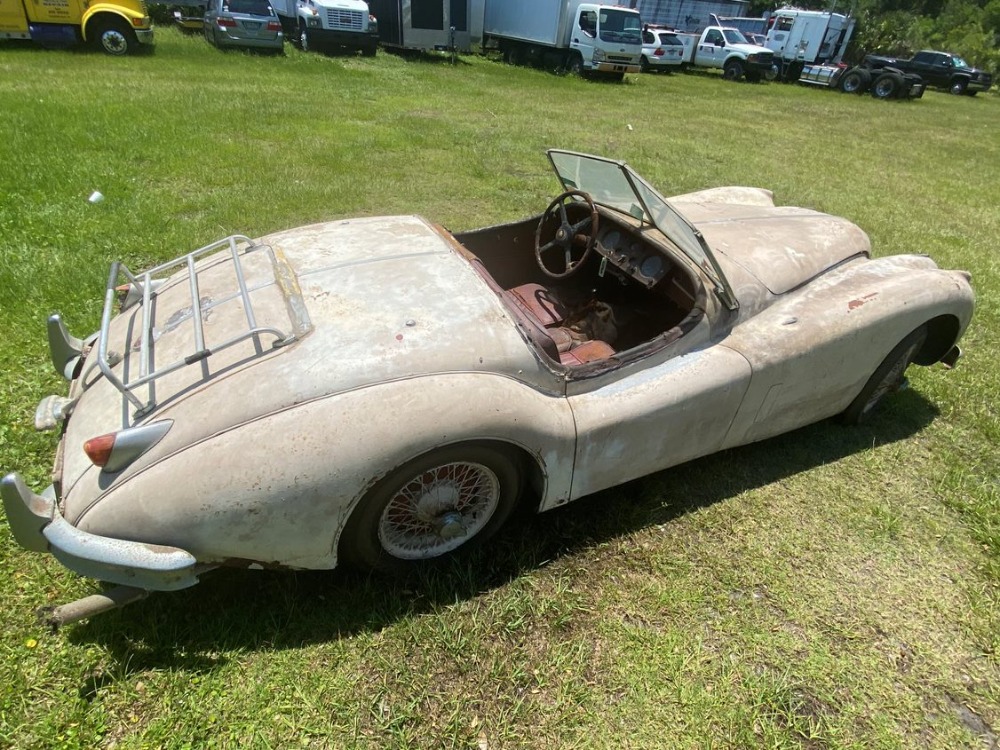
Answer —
(451, 498)
(438, 510)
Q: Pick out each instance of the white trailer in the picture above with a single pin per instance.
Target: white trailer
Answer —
(424, 24)
(581, 37)
(809, 36)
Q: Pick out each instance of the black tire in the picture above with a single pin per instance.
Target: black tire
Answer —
(576, 66)
(888, 377)
(370, 50)
(855, 81)
(957, 86)
(733, 70)
(450, 499)
(303, 37)
(513, 56)
(114, 37)
(643, 64)
(887, 86)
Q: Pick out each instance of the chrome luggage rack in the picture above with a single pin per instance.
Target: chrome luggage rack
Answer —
(141, 288)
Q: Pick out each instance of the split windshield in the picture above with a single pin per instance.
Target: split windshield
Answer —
(620, 26)
(613, 184)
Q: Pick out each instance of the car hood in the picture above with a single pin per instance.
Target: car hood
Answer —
(388, 298)
(781, 246)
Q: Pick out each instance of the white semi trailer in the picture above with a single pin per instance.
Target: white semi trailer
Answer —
(583, 38)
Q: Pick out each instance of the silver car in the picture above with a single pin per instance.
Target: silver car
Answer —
(249, 24)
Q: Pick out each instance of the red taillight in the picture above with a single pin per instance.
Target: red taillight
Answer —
(274, 26)
(659, 52)
(98, 449)
(226, 22)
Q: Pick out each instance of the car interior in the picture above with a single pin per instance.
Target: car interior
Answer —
(590, 286)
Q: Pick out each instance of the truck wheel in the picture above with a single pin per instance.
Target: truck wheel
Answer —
(957, 86)
(855, 81)
(887, 86)
(643, 64)
(576, 66)
(114, 37)
(370, 50)
(733, 70)
(303, 37)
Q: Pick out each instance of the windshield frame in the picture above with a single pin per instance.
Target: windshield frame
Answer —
(646, 204)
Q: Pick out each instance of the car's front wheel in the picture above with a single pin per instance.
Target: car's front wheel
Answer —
(449, 499)
(888, 377)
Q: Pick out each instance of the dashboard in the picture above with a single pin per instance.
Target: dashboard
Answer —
(633, 255)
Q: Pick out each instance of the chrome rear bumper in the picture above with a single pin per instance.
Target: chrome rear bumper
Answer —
(37, 525)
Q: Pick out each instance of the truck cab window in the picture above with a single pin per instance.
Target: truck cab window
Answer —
(588, 22)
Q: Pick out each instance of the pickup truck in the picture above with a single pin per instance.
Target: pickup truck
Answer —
(941, 69)
(726, 48)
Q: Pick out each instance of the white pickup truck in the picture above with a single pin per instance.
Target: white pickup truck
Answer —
(726, 48)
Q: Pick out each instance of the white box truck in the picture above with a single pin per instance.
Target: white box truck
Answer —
(583, 38)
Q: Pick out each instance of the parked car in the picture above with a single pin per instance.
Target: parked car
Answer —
(661, 50)
(247, 24)
(383, 392)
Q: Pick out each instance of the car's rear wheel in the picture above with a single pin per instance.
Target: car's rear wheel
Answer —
(888, 378)
(449, 499)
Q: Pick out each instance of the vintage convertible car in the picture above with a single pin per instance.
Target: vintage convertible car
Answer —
(383, 392)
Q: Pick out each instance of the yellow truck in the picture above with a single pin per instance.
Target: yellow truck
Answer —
(117, 27)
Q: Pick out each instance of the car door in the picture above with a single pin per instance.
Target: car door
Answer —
(585, 34)
(676, 405)
(711, 49)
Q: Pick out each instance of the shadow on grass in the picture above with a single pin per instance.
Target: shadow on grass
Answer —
(247, 610)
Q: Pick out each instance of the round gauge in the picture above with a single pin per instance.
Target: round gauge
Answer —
(611, 239)
(651, 266)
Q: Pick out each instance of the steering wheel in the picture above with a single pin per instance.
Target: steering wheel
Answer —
(568, 237)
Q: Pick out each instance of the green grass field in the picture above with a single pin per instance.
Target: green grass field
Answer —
(832, 588)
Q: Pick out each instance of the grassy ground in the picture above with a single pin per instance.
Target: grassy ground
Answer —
(833, 588)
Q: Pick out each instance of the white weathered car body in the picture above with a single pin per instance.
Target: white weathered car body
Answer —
(254, 439)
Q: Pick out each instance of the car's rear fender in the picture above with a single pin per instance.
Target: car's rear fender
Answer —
(277, 490)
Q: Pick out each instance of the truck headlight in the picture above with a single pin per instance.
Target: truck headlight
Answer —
(599, 55)
(314, 22)
(372, 24)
